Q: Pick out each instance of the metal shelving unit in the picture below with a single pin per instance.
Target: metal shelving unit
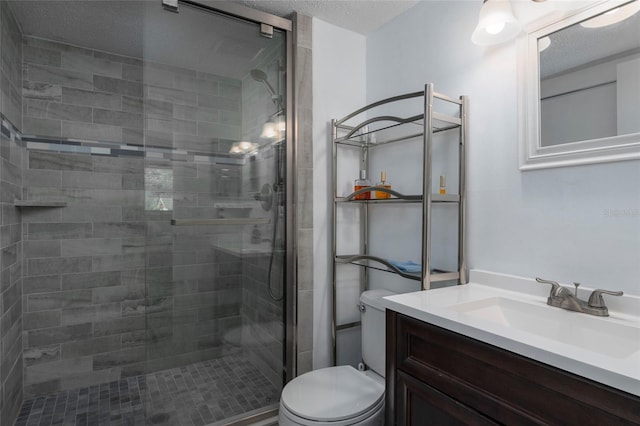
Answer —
(357, 130)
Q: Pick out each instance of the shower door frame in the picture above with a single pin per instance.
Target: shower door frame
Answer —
(244, 13)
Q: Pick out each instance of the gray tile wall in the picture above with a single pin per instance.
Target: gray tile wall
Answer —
(111, 288)
(304, 189)
(11, 154)
(84, 270)
(74, 92)
(11, 78)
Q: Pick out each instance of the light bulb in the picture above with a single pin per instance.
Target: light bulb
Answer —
(496, 23)
(495, 28)
(269, 130)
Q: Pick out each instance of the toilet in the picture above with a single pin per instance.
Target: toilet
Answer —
(342, 395)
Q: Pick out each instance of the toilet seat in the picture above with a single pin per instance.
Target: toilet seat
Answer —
(334, 395)
(373, 417)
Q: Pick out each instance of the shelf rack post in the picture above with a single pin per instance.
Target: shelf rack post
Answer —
(427, 137)
(334, 178)
(364, 211)
(462, 191)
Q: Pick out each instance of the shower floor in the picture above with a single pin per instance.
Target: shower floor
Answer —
(196, 394)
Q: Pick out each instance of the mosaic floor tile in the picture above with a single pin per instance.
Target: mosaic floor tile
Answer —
(196, 394)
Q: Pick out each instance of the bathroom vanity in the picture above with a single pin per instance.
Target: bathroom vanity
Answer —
(460, 356)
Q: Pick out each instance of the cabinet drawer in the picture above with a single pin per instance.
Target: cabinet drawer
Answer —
(502, 385)
(426, 405)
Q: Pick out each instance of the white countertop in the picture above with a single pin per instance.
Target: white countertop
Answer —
(571, 341)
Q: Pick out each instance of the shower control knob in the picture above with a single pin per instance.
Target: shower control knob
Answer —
(265, 196)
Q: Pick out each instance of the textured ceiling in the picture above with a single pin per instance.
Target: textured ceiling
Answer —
(362, 16)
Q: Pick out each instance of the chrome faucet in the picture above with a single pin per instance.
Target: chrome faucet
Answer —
(561, 297)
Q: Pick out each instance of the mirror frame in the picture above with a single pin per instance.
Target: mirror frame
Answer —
(532, 155)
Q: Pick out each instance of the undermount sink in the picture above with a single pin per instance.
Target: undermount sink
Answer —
(595, 334)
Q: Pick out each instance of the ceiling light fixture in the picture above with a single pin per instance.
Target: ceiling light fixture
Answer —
(613, 16)
(496, 23)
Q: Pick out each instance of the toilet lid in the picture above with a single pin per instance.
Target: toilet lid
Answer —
(332, 394)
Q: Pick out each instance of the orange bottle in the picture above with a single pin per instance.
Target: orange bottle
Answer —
(363, 182)
(383, 184)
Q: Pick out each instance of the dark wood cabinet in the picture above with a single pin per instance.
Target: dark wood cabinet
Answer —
(438, 377)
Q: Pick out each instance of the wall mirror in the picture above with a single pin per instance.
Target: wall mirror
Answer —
(579, 87)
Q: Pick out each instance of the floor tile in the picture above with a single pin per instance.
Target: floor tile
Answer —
(195, 394)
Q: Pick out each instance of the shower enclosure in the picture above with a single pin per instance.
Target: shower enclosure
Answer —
(146, 191)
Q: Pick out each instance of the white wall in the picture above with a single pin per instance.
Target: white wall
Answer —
(568, 224)
(339, 84)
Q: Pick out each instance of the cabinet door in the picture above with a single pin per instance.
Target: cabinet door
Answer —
(419, 404)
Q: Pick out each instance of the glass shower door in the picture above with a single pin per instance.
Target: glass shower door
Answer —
(214, 109)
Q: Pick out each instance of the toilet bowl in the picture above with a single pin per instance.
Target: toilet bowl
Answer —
(342, 395)
(333, 396)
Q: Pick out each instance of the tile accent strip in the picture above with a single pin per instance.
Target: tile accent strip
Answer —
(93, 147)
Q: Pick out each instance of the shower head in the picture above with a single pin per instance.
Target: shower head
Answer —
(259, 75)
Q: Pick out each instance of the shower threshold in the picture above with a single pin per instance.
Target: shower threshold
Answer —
(267, 416)
(216, 391)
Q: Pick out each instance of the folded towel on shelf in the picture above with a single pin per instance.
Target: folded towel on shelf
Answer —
(408, 266)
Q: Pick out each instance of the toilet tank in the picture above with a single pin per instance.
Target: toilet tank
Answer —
(373, 329)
